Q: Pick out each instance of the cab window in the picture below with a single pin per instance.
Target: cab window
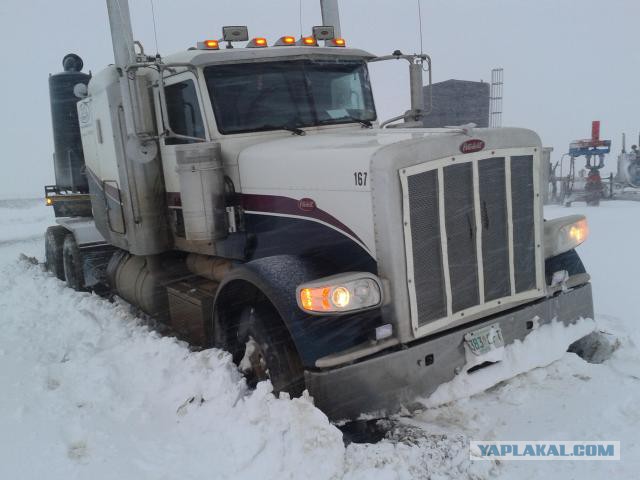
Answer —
(183, 111)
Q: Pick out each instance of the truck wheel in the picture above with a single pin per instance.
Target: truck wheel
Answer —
(54, 239)
(72, 260)
(265, 351)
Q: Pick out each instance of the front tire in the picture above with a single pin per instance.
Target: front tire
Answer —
(264, 351)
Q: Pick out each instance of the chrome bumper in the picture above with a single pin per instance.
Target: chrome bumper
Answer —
(385, 383)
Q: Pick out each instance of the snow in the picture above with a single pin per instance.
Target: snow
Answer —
(540, 348)
(87, 390)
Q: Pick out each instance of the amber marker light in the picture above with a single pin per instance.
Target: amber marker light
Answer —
(309, 41)
(306, 298)
(209, 45)
(49, 201)
(257, 42)
(285, 41)
(338, 42)
(315, 299)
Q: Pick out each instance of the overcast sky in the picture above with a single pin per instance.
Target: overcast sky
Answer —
(565, 62)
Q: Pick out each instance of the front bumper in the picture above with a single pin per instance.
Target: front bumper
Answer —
(385, 383)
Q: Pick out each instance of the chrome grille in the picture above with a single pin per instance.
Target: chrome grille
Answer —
(471, 236)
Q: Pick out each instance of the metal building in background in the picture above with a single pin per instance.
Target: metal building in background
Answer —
(458, 102)
(497, 82)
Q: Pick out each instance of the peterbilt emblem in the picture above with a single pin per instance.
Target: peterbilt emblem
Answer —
(307, 204)
(471, 146)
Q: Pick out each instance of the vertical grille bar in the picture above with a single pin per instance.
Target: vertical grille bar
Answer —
(507, 185)
(479, 238)
(461, 235)
(495, 242)
(522, 192)
(443, 241)
(428, 275)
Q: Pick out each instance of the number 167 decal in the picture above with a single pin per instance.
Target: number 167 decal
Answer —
(360, 179)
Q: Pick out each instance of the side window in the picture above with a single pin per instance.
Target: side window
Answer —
(183, 111)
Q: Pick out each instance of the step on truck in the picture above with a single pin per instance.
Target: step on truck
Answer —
(244, 192)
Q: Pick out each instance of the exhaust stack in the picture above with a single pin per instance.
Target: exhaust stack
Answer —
(142, 179)
(331, 15)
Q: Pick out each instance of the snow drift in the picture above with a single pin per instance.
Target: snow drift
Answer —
(87, 390)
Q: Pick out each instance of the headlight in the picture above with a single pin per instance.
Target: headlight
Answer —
(564, 234)
(345, 292)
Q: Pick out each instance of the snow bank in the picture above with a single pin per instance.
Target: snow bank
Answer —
(88, 391)
(92, 393)
(541, 347)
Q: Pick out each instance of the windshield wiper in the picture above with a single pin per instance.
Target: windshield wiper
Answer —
(294, 130)
(362, 122)
(288, 128)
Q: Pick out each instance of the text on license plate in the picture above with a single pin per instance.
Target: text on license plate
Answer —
(484, 339)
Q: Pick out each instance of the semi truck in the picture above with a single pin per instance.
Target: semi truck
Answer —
(245, 193)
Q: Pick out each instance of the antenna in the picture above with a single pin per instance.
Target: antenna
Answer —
(420, 23)
(495, 99)
(300, 16)
(155, 28)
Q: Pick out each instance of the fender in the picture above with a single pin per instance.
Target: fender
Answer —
(277, 278)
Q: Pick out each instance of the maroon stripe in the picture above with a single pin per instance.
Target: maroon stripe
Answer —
(291, 206)
(279, 205)
(174, 199)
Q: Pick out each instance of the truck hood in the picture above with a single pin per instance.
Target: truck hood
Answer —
(327, 159)
(318, 161)
(327, 177)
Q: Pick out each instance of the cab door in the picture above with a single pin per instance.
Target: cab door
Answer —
(181, 123)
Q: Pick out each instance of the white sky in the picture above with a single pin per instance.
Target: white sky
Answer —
(566, 62)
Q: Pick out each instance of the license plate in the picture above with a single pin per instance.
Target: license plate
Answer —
(485, 339)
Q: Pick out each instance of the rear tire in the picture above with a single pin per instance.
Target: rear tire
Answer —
(53, 244)
(264, 351)
(72, 260)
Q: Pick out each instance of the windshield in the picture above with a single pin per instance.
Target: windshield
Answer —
(249, 97)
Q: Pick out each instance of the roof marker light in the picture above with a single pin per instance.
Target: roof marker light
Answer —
(308, 41)
(287, 40)
(257, 42)
(337, 42)
(209, 45)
